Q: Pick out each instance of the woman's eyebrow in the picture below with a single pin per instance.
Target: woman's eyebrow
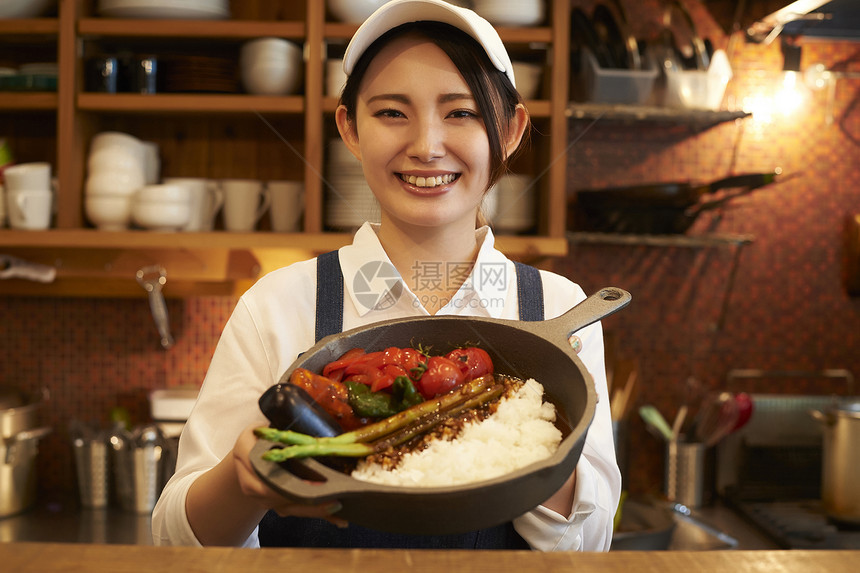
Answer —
(402, 98)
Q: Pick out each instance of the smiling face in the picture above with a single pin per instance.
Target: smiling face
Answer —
(420, 136)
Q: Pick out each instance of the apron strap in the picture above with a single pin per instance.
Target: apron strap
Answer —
(529, 292)
(329, 318)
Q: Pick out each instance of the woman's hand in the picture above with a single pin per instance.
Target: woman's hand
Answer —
(256, 489)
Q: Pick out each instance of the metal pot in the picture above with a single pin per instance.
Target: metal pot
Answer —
(539, 350)
(840, 490)
(19, 438)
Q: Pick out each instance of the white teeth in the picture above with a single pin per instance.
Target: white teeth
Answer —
(429, 181)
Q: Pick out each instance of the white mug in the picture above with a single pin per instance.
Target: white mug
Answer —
(206, 199)
(28, 176)
(30, 209)
(245, 201)
(287, 205)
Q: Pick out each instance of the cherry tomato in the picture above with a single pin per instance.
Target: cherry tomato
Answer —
(442, 375)
(473, 362)
(335, 370)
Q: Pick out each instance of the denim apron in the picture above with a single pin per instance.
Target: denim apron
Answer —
(276, 531)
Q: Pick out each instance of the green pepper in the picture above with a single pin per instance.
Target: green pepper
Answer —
(383, 404)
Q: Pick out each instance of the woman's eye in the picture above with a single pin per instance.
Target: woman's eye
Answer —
(463, 114)
(388, 112)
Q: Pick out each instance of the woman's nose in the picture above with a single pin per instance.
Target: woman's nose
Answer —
(427, 142)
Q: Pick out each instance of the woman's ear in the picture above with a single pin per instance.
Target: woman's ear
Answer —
(347, 131)
(516, 129)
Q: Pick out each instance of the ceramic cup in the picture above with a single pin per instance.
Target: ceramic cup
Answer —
(245, 201)
(28, 177)
(206, 200)
(287, 205)
(151, 162)
(30, 209)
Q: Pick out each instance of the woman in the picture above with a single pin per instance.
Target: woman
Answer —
(431, 111)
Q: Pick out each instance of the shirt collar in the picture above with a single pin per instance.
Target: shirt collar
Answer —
(370, 277)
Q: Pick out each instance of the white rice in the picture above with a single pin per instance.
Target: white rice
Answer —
(520, 432)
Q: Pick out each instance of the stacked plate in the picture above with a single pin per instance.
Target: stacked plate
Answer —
(165, 9)
(511, 12)
(349, 202)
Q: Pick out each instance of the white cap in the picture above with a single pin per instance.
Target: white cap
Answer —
(397, 12)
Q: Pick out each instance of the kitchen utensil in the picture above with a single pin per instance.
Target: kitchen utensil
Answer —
(698, 60)
(584, 36)
(678, 423)
(612, 31)
(655, 421)
(686, 514)
(718, 417)
(153, 278)
(659, 208)
(644, 526)
(840, 490)
(539, 350)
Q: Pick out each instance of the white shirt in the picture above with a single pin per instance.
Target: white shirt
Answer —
(273, 323)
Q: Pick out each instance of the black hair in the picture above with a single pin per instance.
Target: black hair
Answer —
(495, 96)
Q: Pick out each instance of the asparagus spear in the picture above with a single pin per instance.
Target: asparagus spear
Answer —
(389, 432)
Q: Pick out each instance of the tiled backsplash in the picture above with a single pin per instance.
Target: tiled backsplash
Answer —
(786, 309)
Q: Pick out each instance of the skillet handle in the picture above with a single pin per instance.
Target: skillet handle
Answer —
(601, 304)
(329, 484)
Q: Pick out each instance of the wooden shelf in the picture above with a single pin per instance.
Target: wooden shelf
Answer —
(641, 113)
(189, 103)
(97, 263)
(171, 29)
(516, 246)
(12, 29)
(712, 240)
(24, 101)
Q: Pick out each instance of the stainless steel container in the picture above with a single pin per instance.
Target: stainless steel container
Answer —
(840, 489)
(19, 440)
(685, 473)
(18, 470)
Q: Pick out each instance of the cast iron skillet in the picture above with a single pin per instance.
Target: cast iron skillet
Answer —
(538, 350)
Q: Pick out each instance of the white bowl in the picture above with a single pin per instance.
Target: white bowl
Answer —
(164, 193)
(511, 12)
(25, 8)
(114, 160)
(270, 66)
(114, 182)
(108, 212)
(528, 78)
(161, 215)
(271, 79)
(335, 77)
(270, 48)
(116, 140)
(353, 11)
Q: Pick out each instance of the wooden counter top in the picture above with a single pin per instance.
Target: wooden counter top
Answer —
(83, 558)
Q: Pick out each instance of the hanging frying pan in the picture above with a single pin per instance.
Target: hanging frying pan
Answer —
(539, 350)
(658, 208)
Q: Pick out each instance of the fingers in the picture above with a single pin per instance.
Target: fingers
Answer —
(257, 491)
